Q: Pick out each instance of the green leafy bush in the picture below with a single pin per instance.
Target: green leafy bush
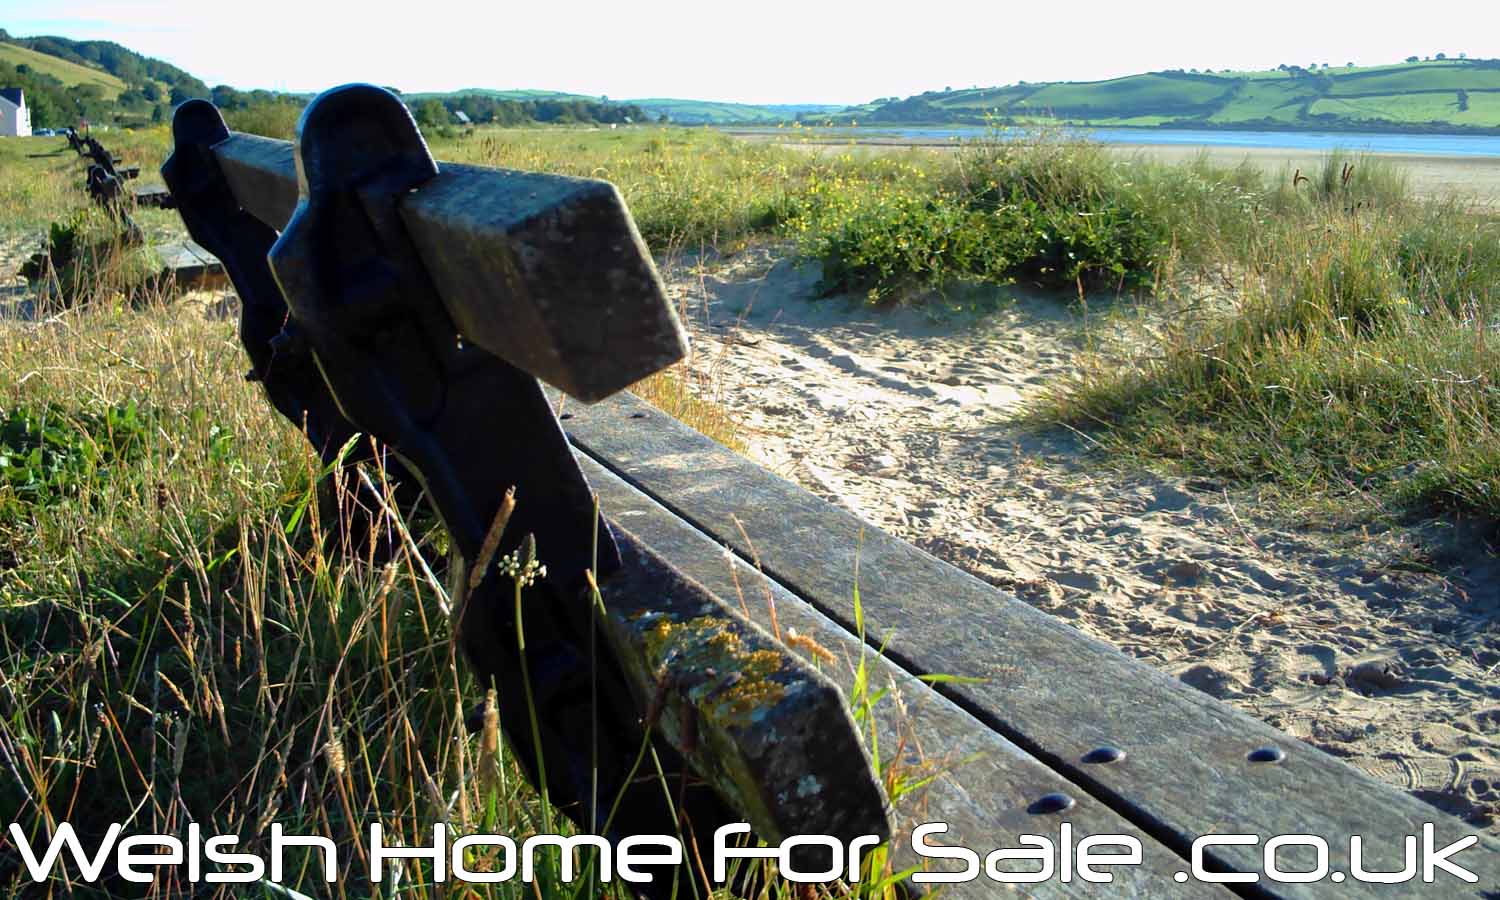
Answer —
(95, 255)
(49, 452)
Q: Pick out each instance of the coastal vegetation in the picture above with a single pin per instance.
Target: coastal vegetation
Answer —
(1326, 334)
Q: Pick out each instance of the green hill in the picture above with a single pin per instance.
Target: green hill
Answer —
(69, 73)
(1439, 95)
(518, 94)
(67, 80)
(130, 67)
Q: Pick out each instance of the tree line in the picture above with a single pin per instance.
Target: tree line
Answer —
(486, 108)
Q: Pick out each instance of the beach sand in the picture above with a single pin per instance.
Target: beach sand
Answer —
(909, 421)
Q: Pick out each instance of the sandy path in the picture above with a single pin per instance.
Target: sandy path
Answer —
(15, 295)
(907, 421)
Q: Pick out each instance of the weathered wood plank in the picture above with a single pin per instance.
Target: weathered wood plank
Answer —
(262, 173)
(987, 782)
(157, 197)
(191, 266)
(1052, 690)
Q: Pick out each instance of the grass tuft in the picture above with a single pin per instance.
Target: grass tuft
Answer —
(1355, 360)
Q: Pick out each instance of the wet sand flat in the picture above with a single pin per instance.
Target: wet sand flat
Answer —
(1431, 176)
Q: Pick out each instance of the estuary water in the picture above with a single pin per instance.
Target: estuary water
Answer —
(1311, 141)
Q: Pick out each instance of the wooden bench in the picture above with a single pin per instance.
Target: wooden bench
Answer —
(1043, 730)
(106, 177)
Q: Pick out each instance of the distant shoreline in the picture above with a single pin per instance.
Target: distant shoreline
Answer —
(1230, 128)
(1432, 175)
(889, 133)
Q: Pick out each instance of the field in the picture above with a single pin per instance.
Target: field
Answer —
(69, 73)
(1482, 109)
(177, 640)
(1424, 78)
(1275, 100)
(1154, 93)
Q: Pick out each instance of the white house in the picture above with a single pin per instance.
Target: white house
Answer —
(15, 118)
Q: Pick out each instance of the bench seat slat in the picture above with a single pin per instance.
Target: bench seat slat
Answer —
(988, 783)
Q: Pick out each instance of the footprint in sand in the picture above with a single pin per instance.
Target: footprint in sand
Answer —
(1213, 681)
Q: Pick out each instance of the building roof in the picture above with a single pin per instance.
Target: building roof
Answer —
(14, 95)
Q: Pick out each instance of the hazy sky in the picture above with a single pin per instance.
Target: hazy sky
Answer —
(761, 51)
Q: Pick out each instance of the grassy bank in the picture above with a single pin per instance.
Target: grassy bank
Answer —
(1343, 359)
(1345, 362)
(178, 645)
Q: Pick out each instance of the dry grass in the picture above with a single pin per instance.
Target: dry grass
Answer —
(178, 643)
(679, 392)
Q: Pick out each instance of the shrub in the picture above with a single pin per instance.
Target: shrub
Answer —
(1056, 212)
(277, 119)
